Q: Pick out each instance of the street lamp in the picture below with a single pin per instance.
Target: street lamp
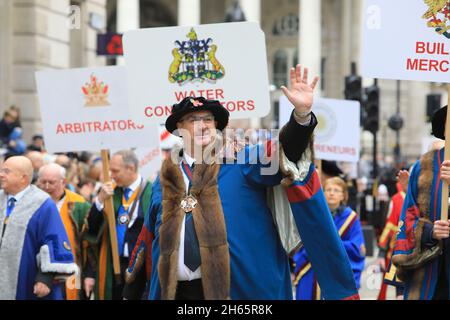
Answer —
(396, 124)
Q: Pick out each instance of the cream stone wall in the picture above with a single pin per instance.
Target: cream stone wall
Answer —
(34, 35)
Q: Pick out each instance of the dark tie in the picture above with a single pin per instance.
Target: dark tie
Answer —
(191, 247)
(10, 206)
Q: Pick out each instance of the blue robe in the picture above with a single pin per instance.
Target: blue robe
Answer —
(35, 242)
(259, 264)
(349, 227)
(417, 255)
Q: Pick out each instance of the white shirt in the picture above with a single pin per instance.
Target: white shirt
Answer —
(184, 273)
(61, 202)
(133, 188)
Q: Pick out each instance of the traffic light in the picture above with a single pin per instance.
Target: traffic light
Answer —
(353, 87)
(433, 104)
(372, 108)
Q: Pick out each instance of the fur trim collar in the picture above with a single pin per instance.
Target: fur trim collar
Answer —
(209, 224)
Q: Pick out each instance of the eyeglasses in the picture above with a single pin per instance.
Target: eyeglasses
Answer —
(330, 190)
(197, 119)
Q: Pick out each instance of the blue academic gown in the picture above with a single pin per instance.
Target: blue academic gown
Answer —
(45, 228)
(349, 227)
(258, 262)
(415, 251)
(259, 265)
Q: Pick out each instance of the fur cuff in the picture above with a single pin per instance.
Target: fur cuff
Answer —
(63, 270)
(131, 272)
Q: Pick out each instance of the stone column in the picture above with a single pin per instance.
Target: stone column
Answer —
(346, 46)
(128, 18)
(310, 36)
(188, 12)
(252, 11)
(40, 40)
(97, 8)
(5, 53)
(413, 113)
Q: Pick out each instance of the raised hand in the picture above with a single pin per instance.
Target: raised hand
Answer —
(300, 93)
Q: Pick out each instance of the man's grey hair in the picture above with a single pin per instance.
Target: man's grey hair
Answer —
(62, 170)
(129, 158)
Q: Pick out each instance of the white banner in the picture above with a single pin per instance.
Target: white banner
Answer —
(337, 135)
(407, 40)
(87, 110)
(168, 140)
(150, 160)
(225, 62)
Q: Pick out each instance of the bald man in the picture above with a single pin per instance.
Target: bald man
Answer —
(34, 249)
(72, 209)
(37, 161)
(63, 160)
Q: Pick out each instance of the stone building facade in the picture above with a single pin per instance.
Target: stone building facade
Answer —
(325, 34)
(42, 34)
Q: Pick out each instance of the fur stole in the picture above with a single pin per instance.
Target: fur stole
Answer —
(209, 225)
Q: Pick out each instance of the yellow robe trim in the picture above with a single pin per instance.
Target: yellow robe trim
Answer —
(308, 265)
(71, 294)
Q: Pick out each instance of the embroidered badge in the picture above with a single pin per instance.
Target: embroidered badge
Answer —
(124, 219)
(66, 246)
(188, 203)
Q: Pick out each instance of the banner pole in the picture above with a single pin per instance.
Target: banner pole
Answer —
(444, 195)
(111, 217)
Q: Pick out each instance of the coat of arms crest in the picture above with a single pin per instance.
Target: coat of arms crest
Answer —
(195, 60)
(95, 93)
(438, 16)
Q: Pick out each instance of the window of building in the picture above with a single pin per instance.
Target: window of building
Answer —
(286, 26)
(280, 68)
